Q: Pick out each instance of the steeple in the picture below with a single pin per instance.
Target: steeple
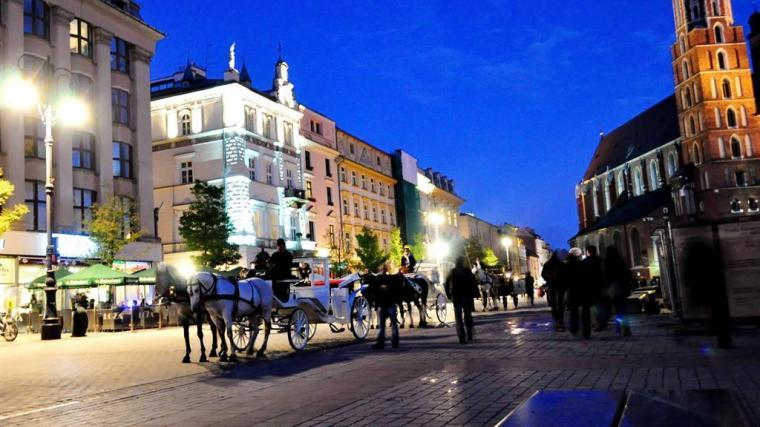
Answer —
(245, 77)
(693, 14)
(282, 88)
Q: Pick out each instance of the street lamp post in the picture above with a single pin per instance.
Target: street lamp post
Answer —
(21, 94)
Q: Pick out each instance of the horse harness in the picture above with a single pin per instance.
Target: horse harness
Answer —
(213, 295)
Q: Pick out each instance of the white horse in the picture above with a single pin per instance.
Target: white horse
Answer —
(226, 301)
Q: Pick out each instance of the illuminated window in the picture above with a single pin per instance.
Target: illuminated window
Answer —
(309, 190)
(34, 138)
(80, 39)
(672, 164)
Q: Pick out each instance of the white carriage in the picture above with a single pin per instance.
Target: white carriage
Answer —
(434, 274)
(313, 298)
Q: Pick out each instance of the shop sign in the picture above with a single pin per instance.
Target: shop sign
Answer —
(7, 271)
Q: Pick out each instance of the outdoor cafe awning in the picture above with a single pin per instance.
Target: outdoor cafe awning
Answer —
(39, 283)
(97, 275)
(146, 277)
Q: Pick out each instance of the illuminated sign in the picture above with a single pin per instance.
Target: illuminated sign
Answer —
(7, 270)
(75, 246)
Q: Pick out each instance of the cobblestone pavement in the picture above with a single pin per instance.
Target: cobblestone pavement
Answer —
(430, 380)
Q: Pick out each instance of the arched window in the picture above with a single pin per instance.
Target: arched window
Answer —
(687, 97)
(636, 247)
(638, 182)
(731, 118)
(682, 43)
(620, 183)
(715, 7)
(692, 126)
(722, 60)
(654, 174)
(736, 148)
(250, 119)
(685, 69)
(185, 123)
(726, 89)
(718, 34)
(696, 154)
(672, 166)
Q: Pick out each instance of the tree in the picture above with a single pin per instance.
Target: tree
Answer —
(205, 227)
(489, 258)
(472, 249)
(396, 250)
(368, 250)
(114, 224)
(417, 247)
(9, 215)
(339, 263)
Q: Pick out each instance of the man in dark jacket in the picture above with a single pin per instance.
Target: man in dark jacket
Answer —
(577, 293)
(280, 265)
(529, 287)
(461, 288)
(554, 275)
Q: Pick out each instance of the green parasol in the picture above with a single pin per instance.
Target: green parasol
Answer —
(146, 276)
(39, 283)
(96, 275)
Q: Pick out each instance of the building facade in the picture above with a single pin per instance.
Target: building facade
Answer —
(489, 235)
(226, 132)
(684, 172)
(366, 187)
(321, 179)
(101, 51)
(439, 205)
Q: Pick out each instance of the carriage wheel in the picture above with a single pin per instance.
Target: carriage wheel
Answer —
(312, 330)
(298, 329)
(440, 308)
(360, 318)
(11, 332)
(242, 333)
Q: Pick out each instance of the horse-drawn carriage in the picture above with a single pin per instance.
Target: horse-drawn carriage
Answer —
(309, 299)
(432, 275)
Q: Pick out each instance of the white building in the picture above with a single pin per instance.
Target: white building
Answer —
(226, 132)
(102, 52)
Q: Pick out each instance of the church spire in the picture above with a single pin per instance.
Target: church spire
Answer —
(245, 76)
(282, 88)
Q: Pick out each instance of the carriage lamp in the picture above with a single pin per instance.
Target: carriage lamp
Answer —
(55, 104)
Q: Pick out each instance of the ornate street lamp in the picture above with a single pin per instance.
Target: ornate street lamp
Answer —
(22, 94)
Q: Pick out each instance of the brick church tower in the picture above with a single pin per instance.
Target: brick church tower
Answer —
(720, 129)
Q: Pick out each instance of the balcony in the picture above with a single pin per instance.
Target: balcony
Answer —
(295, 197)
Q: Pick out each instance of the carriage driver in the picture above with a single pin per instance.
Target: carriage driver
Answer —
(280, 264)
(407, 261)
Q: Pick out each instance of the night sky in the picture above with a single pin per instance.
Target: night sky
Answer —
(507, 97)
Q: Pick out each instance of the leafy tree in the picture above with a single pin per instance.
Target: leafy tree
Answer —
(338, 261)
(114, 224)
(396, 250)
(205, 227)
(368, 250)
(489, 258)
(417, 247)
(472, 249)
(9, 215)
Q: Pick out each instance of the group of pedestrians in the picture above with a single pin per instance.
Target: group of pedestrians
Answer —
(580, 283)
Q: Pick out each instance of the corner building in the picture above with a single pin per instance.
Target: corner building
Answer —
(226, 132)
(103, 50)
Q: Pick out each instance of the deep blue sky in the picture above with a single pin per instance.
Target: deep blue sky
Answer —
(507, 97)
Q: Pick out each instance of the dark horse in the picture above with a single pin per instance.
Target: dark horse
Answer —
(412, 289)
(170, 287)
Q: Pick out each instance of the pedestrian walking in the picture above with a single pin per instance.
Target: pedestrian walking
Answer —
(618, 279)
(594, 281)
(553, 274)
(578, 294)
(510, 289)
(386, 295)
(461, 289)
(529, 287)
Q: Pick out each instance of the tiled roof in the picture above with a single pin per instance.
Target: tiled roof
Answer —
(653, 128)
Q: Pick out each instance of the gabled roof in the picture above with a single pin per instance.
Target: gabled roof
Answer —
(653, 128)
